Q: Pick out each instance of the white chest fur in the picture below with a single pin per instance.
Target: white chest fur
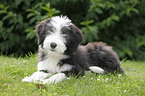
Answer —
(51, 64)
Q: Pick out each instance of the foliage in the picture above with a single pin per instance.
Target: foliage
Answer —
(17, 21)
(14, 70)
(36, 14)
(119, 23)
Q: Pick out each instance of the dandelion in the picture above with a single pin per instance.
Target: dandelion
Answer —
(98, 76)
(4, 92)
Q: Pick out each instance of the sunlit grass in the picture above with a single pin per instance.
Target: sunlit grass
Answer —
(13, 70)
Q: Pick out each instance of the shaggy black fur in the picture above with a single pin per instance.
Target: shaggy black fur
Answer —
(81, 57)
(103, 56)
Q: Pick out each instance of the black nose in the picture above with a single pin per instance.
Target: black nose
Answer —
(53, 45)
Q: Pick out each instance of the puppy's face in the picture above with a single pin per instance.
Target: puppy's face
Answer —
(57, 35)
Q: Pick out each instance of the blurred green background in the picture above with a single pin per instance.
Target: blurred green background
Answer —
(119, 23)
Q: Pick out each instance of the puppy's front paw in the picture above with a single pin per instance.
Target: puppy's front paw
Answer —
(55, 78)
(36, 77)
(27, 79)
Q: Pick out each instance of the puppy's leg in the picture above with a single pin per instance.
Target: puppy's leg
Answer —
(96, 69)
(55, 78)
(104, 56)
(36, 77)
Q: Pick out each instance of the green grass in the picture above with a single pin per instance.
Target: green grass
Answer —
(13, 70)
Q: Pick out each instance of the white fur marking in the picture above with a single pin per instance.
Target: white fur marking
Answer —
(53, 56)
(59, 22)
(36, 77)
(51, 64)
(56, 38)
(96, 69)
(55, 78)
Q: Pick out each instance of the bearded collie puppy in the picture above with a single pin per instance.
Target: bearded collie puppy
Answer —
(61, 55)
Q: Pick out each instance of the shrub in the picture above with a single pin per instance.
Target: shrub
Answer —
(119, 23)
(17, 21)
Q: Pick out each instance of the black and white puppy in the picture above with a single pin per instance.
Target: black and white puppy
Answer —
(60, 53)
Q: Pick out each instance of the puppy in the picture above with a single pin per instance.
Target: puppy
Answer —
(61, 55)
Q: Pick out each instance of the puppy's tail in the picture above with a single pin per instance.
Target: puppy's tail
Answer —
(103, 56)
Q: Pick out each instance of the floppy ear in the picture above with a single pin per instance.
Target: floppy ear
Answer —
(79, 36)
(41, 30)
(75, 39)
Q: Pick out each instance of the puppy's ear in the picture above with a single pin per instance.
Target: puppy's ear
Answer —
(40, 28)
(78, 34)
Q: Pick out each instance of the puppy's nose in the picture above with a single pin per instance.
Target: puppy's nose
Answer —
(53, 45)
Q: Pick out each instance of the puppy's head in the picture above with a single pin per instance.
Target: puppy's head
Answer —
(57, 35)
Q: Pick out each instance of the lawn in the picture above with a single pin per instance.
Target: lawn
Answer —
(13, 70)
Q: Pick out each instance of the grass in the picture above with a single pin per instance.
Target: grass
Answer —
(13, 70)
